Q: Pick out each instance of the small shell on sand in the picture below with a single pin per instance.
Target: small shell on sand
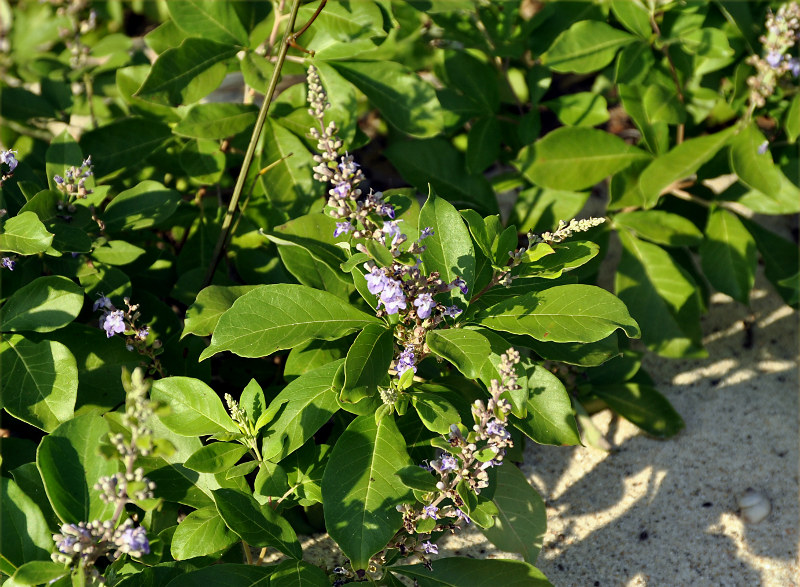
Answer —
(754, 507)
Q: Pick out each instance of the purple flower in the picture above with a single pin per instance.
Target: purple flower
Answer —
(392, 297)
(461, 515)
(460, 284)
(142, 333)
(8, 263)
(135, 540)
(430, 511)
(386, 210)
(794, 66)
(774, 59)
(763, 147)
(429, 548)
(113, 323)
(452, 311)
(406, 361)
(102, 302)
(348, 167)
(8, 158)
(342, 190)
(424, 303)
(448, 463)
(58, 179)
(376, 280)
(342, 228)
(426, 466)
(391, 229)
(426, 232)
(496, 428)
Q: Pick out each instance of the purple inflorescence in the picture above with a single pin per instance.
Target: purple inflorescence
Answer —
(113, 323)
(425, 304)
(406, 361)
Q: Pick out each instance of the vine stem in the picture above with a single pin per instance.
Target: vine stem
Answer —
(288, 36)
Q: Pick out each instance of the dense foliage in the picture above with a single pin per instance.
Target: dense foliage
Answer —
(226, 319)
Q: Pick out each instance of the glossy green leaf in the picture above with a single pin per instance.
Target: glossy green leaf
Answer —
(449, 251)
(24, 533)
(70, 465)
(98, 279)
(224, 575)
(580, 109)
(213, 301)
(564, 313)
(634, 16)
(124, 143)
(202, 161)
(44, 305)
(309, 355)
(274, 317)
(201, 533)
(257, 525)
(584, 354)
(187, 73)
(679, 163)
(662, 104)
(662, 296)
(195, 409)
(252, 400)
(642, 405)
(40, 381)
(145, 205)
(298, 573)
(521, 521)
(209, 19)
(792, 121)
(588, 45)
(298, 411)
(342, 31)
(416, 477)
(216, 121)
(754, 169)
(404, 99)
(469, 572)
(574, 158)
(360, 489)
(658, 226)
(437, 163)
(435, 412)
(367, 362)
(564, 257)
(483, 143)
(216, 457)
(540, 209)
(38, 572)
(781, 259)
(728, 255)
(116, 252)
(550, 418)
(24, 234)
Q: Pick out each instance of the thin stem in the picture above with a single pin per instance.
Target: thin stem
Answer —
(251, 147)
(674, 74)
(261, 556)
(247, 554)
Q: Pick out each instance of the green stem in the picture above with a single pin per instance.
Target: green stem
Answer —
(251, 147)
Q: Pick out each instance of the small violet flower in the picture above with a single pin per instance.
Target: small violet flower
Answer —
(142, 333)
(8, 263)
(774, 59)
(135, 540)
(391, 229)
(461, 515)
(406, 361)
(452, 311)
(448, 463)
(460, 284)
(342, 190)
(8, 158)
(102, 302)
(342, 228)
(763, 147)
(496, 428)
(430, 548)
(393, 297)
(430, 511)
(794, 66)
(376, 280)
(425, 303)
(426, 232)
(113, 323)
(386, 210)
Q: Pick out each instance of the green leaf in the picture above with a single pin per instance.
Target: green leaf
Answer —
(467, 349)
(223, 575)
(564, 257)
(781, 260)
(754, 169)
(792, 121)
(588, 45)
(213, 301)
(216, 457)
(147, 204)
(124, 143)
(38, 572)
(728, 255)
(209, 19)
(367, 362)
(564, 313)
(664, 228)
(298, 573)
(679, 163)
(475, 79)
(24, 533)
(360, 489)
(40, 381)
(187, 73)
(404, 99)
(436, 163)
(574, 353)
(117, 253)
(342, 31)
(469, 572)
(449, 251)
(201, 533)
(550, 418)
(253, 401)
(634, 16)
(195, 409)
(435, 412)
(298, 411)
(642, 405)
(24, 234)
(45, 304)
(483, 143)
(257, 525)
(662, 296)
(70, 465)
(417, 478)
(574, 158)
(280, 316)
(202, 161)
(312, 354)
(540, 209)
(521, 521)
(662, 104)
(580, 109)
(98, 279)
(216, 121)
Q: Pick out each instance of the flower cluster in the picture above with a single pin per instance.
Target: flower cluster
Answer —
(114, 321)
(73, 184)
(465, 463)
(565, 230)
(82, 544)
(83, 20)
(783, 32)
(8, 159)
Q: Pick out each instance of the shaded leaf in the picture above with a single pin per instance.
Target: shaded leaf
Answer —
(43, 305)
(470, 572)
(24, 234)
(642, 405)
